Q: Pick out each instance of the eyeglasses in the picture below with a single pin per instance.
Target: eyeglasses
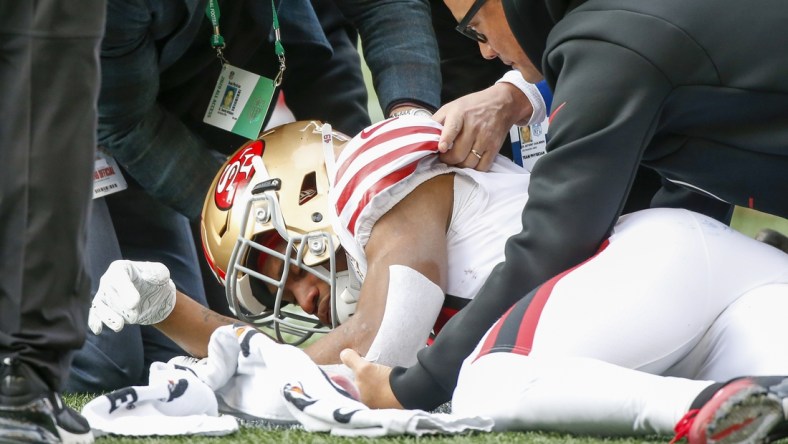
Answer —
(468, 31)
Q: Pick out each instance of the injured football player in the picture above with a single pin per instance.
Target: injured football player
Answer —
(383, 243)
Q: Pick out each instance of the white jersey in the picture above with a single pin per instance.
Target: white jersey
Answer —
(386, 162)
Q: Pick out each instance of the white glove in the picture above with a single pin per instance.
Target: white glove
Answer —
(132, 293)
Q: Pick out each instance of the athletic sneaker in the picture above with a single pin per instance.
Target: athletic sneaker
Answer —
(742, 411)
(31, 412)
(773, 238)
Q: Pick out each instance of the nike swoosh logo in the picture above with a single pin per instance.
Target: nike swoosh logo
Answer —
(296, 399)
(177, 389)
(344, 418)
(246, 349)
(554, 113)
(366, 132)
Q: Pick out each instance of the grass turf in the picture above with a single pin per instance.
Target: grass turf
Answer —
(263, 433)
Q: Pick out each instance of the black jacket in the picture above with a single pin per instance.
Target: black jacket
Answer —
(697, 90)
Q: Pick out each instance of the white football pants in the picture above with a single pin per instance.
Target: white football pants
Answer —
(624, 342)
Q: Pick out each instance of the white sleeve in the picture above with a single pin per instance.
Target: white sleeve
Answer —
(531, 92)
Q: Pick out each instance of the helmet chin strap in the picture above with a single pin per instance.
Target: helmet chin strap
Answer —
(328, 152)
(347, 298)
(346, 288)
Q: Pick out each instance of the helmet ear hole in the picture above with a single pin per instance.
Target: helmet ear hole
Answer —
(223, 228)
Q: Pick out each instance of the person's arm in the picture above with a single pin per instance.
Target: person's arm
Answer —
(142, 293)
(600, 127)
(400, 49)
(190, 325)
(154, 147)
(412, 234)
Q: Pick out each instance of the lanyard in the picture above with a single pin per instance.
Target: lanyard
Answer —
(217, 41)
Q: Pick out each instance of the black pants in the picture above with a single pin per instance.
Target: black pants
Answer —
(49, 74)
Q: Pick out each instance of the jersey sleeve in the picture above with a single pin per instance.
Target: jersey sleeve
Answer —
(374, 171)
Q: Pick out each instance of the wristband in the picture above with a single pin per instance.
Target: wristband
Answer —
(531, 92)
(412, 112)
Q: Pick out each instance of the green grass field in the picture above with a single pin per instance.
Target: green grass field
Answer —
(261, 433)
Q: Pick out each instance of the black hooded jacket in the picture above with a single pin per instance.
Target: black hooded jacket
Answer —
(697, 90)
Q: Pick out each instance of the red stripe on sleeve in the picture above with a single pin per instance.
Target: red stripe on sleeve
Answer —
(382, 184)
(349, 188)
(382, 138)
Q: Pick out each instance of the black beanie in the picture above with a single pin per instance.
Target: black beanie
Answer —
(530, 23)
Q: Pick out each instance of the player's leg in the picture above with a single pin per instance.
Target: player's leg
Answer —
(650, 296)
(645, 301)
(571, 395)
(48, 72)
(748, 338)
(587, 396)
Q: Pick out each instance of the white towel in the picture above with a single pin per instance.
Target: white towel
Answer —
(321, 404)
(243, 382)
(343, 418)
(249, 375)
(175, 402)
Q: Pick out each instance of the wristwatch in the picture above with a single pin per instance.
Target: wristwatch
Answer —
(412, 112)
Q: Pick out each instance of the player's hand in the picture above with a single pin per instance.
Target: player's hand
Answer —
(372, 381)
(132, 293)
(475, 125)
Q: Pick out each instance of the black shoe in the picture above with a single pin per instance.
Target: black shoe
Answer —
(31, 413)
(773, 238)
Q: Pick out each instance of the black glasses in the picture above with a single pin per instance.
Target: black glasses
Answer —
(466, 30)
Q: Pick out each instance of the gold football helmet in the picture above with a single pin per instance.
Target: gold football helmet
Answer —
(276, 189)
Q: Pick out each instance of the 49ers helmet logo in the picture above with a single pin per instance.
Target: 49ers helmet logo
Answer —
(236, 175)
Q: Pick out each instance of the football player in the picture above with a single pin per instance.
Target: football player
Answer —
(420, 235)
(302, 215)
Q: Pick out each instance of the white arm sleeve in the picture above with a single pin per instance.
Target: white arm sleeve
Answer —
(412, 305)
(531, 92)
